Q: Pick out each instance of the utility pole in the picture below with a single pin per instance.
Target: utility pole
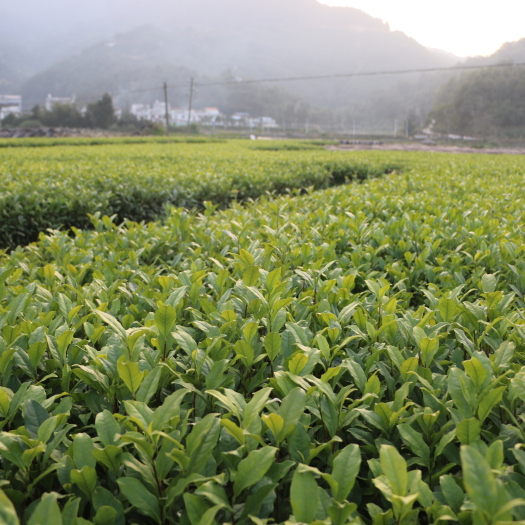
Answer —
(167, 115)
(191, 103)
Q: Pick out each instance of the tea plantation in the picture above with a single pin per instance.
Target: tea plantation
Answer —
(52, 187)
(353, 355)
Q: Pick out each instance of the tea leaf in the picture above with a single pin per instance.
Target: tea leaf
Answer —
(7, 511)
(47, 512)
(253, 468)
(345, 471)
(304, 495)
(137, 494)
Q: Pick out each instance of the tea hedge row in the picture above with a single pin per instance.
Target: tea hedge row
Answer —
(352, 356)
(45, 142)
(58, 187)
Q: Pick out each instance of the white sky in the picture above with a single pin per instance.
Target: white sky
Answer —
(463, 27)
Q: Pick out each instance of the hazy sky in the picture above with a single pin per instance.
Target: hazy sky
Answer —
(463, 27)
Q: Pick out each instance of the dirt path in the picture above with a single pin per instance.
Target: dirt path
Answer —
(399, 146)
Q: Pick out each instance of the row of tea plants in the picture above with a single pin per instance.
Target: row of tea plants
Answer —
(350, 356)
(57, 187)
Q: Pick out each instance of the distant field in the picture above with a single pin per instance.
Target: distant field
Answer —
(57, 187)
(44, 142)
(348, 356)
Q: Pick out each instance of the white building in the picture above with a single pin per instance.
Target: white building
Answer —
(154, 113)
(10, 104)
(244, 120)
(141, 111)
(51, 101)
(178, 116)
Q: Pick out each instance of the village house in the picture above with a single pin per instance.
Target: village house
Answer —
(156, 112)
(10, 104)
(51, 101)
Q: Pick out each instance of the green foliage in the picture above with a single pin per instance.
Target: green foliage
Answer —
(101, 114)
(59, 187)
(350, 356)
(486, 103)
(60, 115)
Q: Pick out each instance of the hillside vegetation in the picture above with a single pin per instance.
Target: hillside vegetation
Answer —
(138, 45)
(486, 103)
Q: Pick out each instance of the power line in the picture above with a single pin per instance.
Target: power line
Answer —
(308, 77)
(89, 98)
(363, 74)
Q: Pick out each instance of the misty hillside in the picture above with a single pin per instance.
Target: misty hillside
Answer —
(508, 52)
(206, 38)
(71, 25)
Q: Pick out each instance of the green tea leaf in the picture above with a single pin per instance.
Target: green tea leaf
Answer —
(35, 415)
(256, 404)
(345, 470)
(140, 498)
(251, 276)
(415, 442)
(169, 409)
(113, 323)
(468, 431)
(85, 479)
(291, 409)
(272, 345)
(478, 480)
(131, 375)
(107, 428)
(395, 469)
(165, 318)
(489, 401)
(476, 371)
(252, 468)
(105, 516)
(447, 309)
(47, 512)
(7, 511)
(304, 495)
(83, 451)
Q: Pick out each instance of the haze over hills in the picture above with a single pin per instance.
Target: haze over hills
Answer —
(129, 45)
(70, 25)
(513, 52)
(248, 37)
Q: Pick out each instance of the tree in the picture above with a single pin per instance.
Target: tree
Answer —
(101, 114)
(62, 115)
(482, 103)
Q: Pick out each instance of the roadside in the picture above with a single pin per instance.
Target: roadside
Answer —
(428, 148)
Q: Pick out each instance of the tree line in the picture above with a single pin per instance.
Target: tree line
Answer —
(482, 104)
(98, 115)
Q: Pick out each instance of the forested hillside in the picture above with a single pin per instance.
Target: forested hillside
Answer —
(142, 46)
(485, 103)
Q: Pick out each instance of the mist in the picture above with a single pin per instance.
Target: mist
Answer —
(123, 47)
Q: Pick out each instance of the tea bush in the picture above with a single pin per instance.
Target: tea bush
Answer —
(349, 356)
(57, 187)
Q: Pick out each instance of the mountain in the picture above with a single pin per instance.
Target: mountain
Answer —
(509, 52)
(485, 102)
(126, 47)
(161, 40)
(55, 29)
(12, 70)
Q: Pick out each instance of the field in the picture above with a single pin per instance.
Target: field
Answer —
(352, 355)
(51, 187)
